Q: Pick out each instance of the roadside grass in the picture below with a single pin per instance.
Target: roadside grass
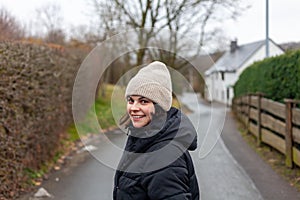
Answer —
(273, 157)
(36, 176)
(100, 115)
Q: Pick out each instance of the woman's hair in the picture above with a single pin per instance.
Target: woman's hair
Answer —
(125, 119)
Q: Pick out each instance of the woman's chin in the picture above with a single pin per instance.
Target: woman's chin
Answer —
(138, 125)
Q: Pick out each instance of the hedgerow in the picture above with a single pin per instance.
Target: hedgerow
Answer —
(36, 84)
(276, 77)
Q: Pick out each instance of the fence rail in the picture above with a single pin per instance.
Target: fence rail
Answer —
(273, 123)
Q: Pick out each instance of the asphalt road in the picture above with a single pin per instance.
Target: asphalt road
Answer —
(226, 168)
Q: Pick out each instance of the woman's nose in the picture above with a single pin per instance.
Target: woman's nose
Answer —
(135, 106)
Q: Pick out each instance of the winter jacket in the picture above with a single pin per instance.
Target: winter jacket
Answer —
(156, 164)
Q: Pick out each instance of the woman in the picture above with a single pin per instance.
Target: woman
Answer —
(156, 163)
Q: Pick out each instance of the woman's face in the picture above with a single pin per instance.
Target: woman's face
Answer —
(140, 110)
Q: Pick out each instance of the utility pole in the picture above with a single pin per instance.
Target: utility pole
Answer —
(267, 28)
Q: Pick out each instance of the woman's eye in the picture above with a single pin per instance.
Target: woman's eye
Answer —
(144, 101)
(129, 100)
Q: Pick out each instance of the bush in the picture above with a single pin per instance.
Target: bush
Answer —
(35, 108)
(276, 77)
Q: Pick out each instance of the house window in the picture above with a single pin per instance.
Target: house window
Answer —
(227, 93)
(223, 76)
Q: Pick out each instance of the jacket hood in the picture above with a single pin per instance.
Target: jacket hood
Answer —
(173, 126)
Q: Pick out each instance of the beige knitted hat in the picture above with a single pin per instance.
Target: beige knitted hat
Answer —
(153, 82)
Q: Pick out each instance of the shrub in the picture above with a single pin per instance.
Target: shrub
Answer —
(276, 77)
(35, 108)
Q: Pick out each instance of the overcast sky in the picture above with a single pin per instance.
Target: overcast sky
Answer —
(283, 18)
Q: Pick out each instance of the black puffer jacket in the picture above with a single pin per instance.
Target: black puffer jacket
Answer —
(157, 165)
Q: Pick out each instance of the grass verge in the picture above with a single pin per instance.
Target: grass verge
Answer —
(100, 115)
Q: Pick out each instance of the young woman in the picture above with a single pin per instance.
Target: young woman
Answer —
(156, 164)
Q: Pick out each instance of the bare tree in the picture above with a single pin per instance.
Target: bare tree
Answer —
(50, 21)
(55, 36)
(9, 27)
(117, 15)
(86, 34)
(149, 17)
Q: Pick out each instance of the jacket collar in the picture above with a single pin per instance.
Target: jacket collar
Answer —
(173, 126)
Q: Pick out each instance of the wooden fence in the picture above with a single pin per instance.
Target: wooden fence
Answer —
(273, 123)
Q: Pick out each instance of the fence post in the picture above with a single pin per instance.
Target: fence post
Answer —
(288, 133)
(232, 104)
(259, 95)
(248, 113)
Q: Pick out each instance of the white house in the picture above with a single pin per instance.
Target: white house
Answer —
(221, 77)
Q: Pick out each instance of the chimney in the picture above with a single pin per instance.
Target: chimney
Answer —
(233, 46)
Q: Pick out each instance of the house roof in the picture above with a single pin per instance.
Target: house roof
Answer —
(231, 61)
(203, 62)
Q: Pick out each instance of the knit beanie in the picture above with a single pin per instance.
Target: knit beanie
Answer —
(153, 82)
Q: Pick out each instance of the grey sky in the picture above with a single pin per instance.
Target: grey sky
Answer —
(283, 19)
(284, 16)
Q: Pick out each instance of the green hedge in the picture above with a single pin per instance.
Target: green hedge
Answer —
(276, 77)
(36, 84)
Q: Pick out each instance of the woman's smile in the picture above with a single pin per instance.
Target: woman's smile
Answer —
(137, 116)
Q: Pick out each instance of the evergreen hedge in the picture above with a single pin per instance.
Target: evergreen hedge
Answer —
(36, 84)
(276, 77)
